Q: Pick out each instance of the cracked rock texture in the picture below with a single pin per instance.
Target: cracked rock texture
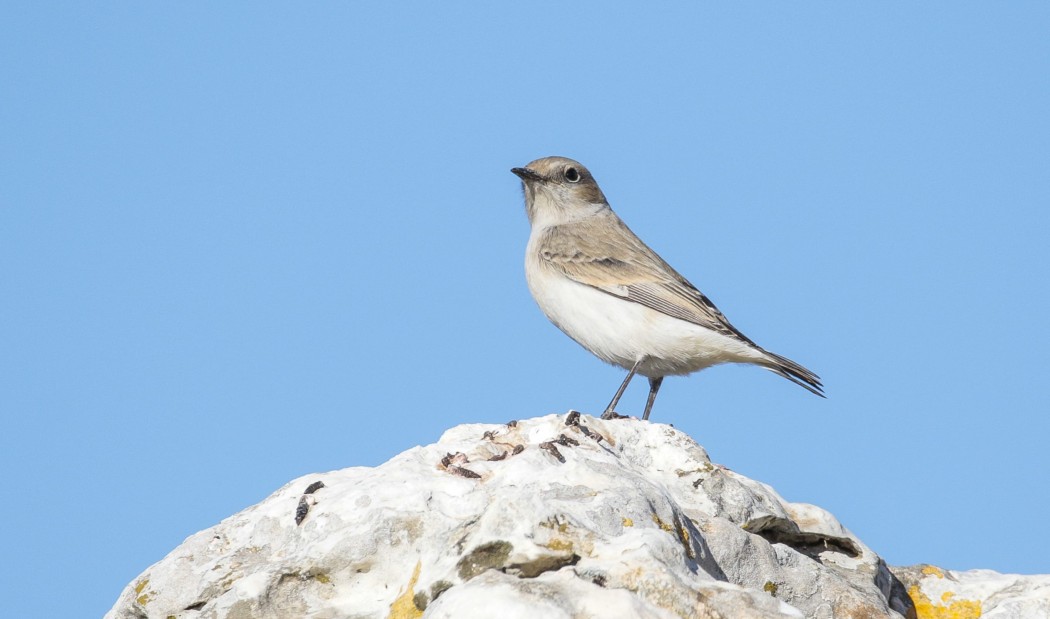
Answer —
(558, 516)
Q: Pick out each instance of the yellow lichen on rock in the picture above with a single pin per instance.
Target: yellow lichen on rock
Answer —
(683, 534)
(925, 608)
(628, 522)
(143, 598)
(663, 525)
(559, 545)
(404, 607)
(556, 523)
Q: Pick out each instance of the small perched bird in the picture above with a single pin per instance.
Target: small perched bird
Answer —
(601, 285)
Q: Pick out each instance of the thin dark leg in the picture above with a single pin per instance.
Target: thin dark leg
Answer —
(654, 386)
(610, 409)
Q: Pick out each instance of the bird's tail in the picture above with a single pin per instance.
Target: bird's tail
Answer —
(795, 373)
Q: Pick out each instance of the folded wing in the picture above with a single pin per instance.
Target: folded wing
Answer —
(617, 262)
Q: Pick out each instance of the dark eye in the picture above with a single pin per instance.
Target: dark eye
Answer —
(572, 175)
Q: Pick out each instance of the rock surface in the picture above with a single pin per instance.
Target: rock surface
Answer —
(949, 594)
(558, 516)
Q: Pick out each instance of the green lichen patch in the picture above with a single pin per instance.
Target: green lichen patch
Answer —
(438, 588)
(490, 555)
(545, 563)
(420, 600)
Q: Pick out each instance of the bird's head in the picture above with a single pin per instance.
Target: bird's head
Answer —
(558, 189)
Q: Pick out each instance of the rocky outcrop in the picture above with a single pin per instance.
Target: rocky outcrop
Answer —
(947, 594)
(558, 516)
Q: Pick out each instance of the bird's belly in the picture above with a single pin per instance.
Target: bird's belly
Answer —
(621, 332)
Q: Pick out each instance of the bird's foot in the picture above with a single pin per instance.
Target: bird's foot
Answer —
(611, 414)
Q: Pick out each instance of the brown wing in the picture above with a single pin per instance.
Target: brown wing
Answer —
(603, 253)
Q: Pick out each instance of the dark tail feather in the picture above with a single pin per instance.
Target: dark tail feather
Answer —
(795, 373)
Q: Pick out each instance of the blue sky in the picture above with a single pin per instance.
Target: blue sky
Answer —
(247, 242)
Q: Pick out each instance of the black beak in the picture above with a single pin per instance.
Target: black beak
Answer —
(526, 174)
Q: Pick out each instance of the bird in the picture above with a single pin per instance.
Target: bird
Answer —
(607, 290)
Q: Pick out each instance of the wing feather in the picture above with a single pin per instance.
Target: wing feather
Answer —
(602, 252)
(617, 262)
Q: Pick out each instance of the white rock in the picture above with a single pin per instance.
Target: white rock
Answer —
(975, 593)
(616, 519)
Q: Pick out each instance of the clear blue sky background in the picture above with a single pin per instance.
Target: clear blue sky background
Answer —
(240, 244)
